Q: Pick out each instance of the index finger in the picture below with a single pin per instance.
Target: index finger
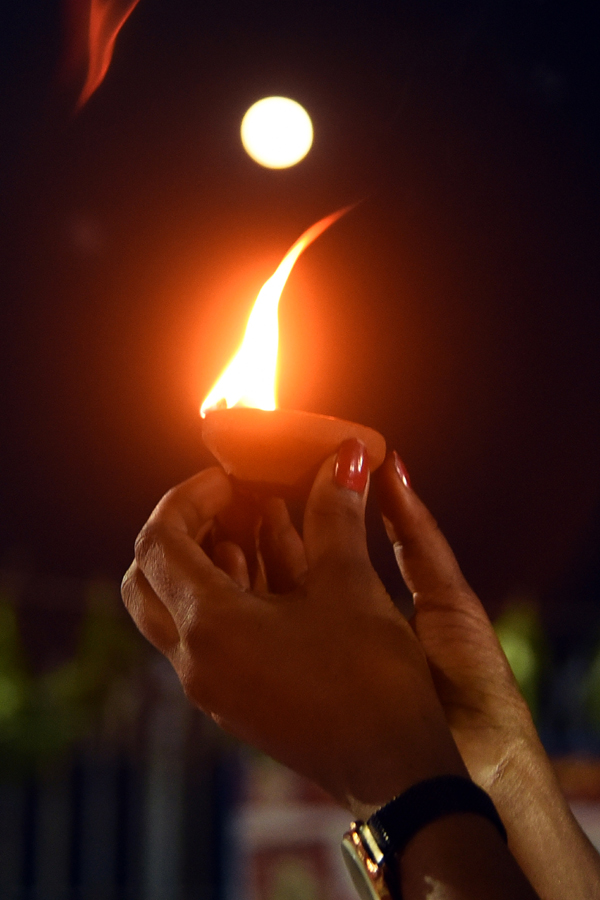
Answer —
(189, 506)
(428, 565)
(167, 549)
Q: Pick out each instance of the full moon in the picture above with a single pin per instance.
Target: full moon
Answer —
(277, 132)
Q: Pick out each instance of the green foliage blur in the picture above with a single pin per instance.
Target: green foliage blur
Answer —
(42, 716)
(523, 640)
(591, 690)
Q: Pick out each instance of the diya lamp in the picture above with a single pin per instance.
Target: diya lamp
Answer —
(253, 440)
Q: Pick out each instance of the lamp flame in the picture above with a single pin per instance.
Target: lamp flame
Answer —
(250, 377)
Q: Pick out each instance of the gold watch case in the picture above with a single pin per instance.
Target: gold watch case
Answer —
(365, 863)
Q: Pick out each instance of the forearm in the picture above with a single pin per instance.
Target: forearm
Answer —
(544, 836)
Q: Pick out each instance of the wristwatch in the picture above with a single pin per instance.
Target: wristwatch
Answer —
(366, 863)
(372, 849)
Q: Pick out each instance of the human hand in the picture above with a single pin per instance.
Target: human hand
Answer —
(327, 676)
(485, 710)
(323, 673)
(488, 717)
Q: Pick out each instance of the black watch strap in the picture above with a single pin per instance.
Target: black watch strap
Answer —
(399, 820)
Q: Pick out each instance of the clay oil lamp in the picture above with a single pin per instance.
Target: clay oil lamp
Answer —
(253, 440)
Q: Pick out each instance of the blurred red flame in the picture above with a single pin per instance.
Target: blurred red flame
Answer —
(92, 27)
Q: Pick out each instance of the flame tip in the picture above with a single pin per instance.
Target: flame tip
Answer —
(249, 379)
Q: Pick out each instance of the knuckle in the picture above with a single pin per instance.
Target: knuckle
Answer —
(150, 537)
(340, 515)
(128, 585)
(172, 497)
(191, 627)
(198, 638)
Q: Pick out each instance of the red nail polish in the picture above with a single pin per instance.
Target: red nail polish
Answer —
(352, 466)
(401, 470)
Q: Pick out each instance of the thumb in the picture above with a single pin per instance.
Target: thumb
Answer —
(334, 518)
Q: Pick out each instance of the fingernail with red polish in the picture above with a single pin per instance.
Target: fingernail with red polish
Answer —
(352, 466)
(401, 470)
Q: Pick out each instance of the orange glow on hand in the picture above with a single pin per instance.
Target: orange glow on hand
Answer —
(250, 378)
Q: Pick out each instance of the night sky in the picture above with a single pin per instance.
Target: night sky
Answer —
(456, 309)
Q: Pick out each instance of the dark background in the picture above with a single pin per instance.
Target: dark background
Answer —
(455, 310)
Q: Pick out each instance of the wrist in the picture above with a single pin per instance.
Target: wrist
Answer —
(543, 835)
(377, 785)
(521, 770)
(374, 850)
(397, 734)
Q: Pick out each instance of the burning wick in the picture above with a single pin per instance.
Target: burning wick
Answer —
(252, 439)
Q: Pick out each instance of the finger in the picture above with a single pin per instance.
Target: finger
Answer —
(230, 557)
(428, 565)
(334, 519)
(281, 547)
(189, 506)
(238, 522)
(179, 572)
(149, 614)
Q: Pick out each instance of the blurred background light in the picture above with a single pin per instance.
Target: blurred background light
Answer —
(277, 132)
